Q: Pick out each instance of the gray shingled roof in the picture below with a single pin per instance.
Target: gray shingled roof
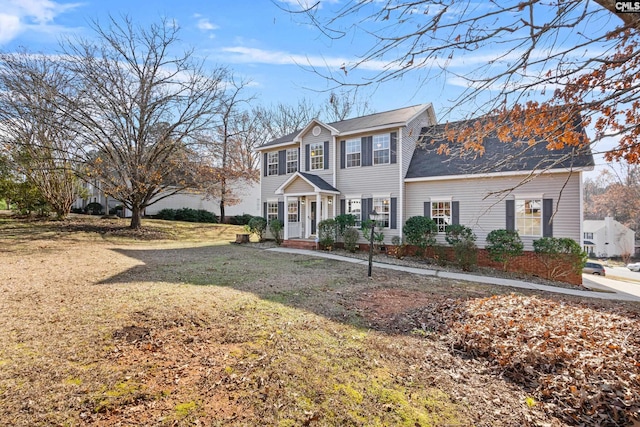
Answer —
(498, 156)
(318, 182)
(386, 118)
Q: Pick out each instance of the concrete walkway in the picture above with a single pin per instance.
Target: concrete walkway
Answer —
(605, 291)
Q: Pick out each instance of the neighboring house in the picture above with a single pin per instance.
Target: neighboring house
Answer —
(247, 191)
(608, 238)
(386, 162)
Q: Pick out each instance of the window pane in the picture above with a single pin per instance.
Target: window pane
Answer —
(317, 156)
(292, 160)
(381, 150)
(529, 217)
(441, 214)
(382, 207)
(292, 212)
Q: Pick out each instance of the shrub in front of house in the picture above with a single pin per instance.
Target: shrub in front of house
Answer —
(463, 241)
(257, 225)
(344, 222)
(421, 232)
(350, 238)
(327, 233)
(552, 251)
(503, 246)
(276, 227)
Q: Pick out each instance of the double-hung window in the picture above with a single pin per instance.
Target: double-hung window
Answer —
(272, 211)
(272, 163)
(381, 149)
(292, 160)
(353, 207)
(317, 156)
(588, 236)
(353, 152)
(382, 207)
(529, 217)
(441, 214)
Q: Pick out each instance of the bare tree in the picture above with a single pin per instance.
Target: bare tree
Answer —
(34, 131)
(225, 146)
(343, 104)
(619, 195)
(282, 119)
(140, 107)
(534, 62)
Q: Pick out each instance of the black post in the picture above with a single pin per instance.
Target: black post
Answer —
(373, 227)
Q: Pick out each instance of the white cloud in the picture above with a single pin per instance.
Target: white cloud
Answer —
(19, 16)
(247, 55)
(205, 25)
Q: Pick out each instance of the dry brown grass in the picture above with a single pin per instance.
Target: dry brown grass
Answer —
(102, 329)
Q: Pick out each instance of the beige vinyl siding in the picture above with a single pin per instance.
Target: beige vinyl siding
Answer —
(486, 214)
(299, 186)
(374, 179)
(308, 138)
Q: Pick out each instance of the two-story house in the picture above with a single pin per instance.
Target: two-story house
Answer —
(388, 162)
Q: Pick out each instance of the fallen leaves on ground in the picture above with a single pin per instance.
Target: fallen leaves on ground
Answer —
(581, 364)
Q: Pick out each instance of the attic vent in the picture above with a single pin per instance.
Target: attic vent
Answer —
(316, 130)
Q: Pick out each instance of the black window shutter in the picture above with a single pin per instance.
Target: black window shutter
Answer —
(306, 158)
(367, 150)
(265, 166)
(366, 208)
(281, 211)
(511, 215)
(455, 212)
(264, 210)
(394, 147)
(343, 154)
(282, 162)
(299, 165)
(393, 221)
(298, 219)
(343, 206)
(547, 212)
(326, 154)
(427, 209)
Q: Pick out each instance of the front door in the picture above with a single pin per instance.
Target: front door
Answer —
(313, 217)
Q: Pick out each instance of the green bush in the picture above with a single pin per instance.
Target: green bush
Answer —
(421, 232)
(503, 246)
(240, 219)
(350, 238)
(188, 215)
(276, 227)
(551, 251)
(327, 233)
(94, 208)
(257, 225)
(116, 210)
(345, 222)
(167, 214)
(462, 239)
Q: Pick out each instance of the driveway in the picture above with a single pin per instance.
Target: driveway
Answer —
(618, 279)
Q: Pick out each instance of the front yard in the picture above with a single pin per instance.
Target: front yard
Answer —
(175, 326)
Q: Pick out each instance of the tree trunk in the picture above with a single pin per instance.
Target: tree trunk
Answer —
(222, 210)
(223, 193)
(136, 221)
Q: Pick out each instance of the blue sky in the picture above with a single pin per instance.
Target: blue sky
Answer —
(255, 38)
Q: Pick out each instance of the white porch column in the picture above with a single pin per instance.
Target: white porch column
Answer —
(285, 217)
(318, 211)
